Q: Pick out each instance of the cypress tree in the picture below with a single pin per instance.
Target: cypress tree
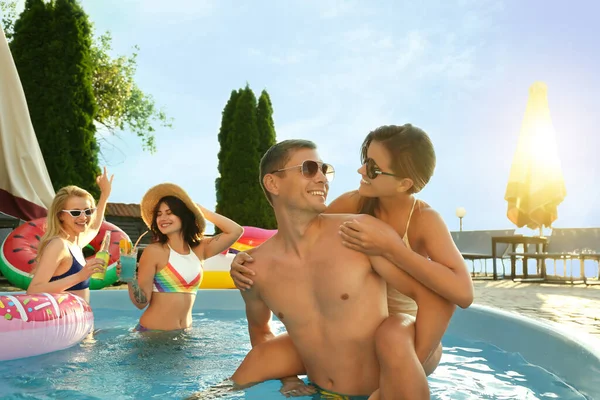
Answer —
(266, 139)
(241, 191)
(51, 49)
(30, 48)
(73, 37)
(224, 144)
(247, 131)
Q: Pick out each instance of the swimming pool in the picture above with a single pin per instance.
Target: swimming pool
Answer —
(488, 354)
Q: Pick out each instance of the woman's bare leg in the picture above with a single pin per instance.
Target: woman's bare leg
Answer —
(401, 374)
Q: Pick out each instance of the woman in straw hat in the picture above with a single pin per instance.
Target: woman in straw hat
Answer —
(73, 221)
(170, 270)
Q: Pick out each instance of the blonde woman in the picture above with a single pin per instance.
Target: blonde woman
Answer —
(73, 221)
(170, 270)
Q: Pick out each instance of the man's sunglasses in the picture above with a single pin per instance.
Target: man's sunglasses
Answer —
(310, 168)
(373, 170)
(76, 213)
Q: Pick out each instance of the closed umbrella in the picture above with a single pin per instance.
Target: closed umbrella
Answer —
(25, 188)
(536, 185)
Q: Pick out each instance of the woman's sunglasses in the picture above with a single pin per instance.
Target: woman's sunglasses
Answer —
(310, 168)
(373, 170)
(76, 213)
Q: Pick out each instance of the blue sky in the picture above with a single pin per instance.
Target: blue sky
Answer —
(459, 69)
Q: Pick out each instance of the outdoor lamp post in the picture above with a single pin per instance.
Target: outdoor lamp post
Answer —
(460, 213)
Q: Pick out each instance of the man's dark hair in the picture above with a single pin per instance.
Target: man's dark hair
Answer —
(278, 155)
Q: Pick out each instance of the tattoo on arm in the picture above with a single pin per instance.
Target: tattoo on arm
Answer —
(138, 293)
(215, 238)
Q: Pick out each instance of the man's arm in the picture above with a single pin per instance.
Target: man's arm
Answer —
(259, 317)
(271, 357)
(434, 312)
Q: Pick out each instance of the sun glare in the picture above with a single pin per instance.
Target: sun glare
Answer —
(536, 178)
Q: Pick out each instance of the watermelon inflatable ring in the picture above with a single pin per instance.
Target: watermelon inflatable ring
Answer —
(19, 250)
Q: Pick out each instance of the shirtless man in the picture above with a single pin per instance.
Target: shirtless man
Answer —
(331, 299)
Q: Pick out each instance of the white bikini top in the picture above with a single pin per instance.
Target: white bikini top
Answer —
(182, 274)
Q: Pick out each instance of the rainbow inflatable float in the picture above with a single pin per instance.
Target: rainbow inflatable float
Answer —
(216, 269)
(31, 325)
(19, 250)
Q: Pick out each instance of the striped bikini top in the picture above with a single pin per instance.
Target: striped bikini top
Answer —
(182, 274)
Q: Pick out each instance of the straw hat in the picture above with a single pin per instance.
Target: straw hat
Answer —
(153, 196)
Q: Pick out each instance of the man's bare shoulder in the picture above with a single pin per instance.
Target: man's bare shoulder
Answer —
(338, 218)
(333, 221)
(264, 251)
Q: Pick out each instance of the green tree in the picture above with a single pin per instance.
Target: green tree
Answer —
(247, 131)
(30, 48)
(73, 71)
(122, 105)
(266, 139)
(9, 15)
(240, 190)
(224, 144)
(51, 49)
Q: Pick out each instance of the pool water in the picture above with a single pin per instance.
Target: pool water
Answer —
(120, 364)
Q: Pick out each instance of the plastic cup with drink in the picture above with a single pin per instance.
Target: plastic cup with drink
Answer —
(128, 260)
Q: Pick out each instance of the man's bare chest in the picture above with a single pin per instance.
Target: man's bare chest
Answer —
(319, 287)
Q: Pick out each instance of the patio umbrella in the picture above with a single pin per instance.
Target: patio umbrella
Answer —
(25, 187)
(536, 186)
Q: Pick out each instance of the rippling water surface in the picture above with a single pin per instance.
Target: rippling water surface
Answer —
(120, 364)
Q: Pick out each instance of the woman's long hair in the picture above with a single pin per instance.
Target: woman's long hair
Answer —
(189, 228)
(53, 224)
(412, 157)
